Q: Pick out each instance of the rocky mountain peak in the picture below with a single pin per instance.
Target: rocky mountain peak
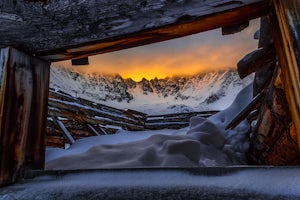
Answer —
(179, 92)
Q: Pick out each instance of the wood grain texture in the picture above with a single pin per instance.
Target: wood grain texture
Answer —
(256, 60)
(82, 118)
(264, 74)
(286, 33)
(23, 108)
(272, 142)
(61, 30)
(244, 113)
(65, 131)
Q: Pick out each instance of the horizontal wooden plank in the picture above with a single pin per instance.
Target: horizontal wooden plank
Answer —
(83, 118)
(182, 115)
(61, 30)
(159, 126)
(79, 110)
(56, 141)
(80, 118)
(69, 98)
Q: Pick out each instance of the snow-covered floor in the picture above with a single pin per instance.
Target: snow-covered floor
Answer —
(212, 183)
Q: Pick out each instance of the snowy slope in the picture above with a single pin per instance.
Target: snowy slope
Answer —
(210, 91)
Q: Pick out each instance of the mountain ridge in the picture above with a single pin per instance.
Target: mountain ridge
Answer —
(197, 92)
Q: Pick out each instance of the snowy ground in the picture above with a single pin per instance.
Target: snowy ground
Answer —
(204, 143)
(265, 183)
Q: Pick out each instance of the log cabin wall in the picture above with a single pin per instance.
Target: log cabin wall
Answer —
(275, 139)
(44, 29)
(61, 30)
(285, 20)
(23, 107)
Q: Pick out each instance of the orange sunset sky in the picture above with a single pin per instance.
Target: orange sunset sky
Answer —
(197, 53)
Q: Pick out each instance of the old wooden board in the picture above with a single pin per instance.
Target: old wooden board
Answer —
(24, 83)
(286, 31)
(61, 30)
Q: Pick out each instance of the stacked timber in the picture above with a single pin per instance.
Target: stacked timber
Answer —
(274, 136)
(173, 121)
(71, 118)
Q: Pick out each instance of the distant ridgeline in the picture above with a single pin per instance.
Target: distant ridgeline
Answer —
(206, 91)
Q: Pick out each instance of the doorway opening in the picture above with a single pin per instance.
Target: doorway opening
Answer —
(154, 110)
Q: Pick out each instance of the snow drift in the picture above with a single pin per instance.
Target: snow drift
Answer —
(205, 143)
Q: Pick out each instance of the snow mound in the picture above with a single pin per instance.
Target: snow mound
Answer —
(205, 143)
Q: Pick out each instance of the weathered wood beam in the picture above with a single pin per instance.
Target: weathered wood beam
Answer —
(265, 35)
(273, 141)
(264, 74)
(75, 110)
(286, 33)
(54, 141)
(235, 28)
(81, 61)
(263, 78)
(65, 131)
(102, 130)
(184, 115)
(256, 60)
(24, 86)
(80, 118)
(243, 114)
(93, 130)
(61, 30)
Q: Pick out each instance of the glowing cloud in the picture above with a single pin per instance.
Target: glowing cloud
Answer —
(189, 55)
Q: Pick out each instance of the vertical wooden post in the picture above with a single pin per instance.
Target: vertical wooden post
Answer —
(23, 113)
(286, 31)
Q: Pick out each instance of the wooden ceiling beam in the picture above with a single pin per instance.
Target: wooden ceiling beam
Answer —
(61, 30)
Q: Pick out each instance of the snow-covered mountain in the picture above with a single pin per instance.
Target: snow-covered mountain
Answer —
(209, 91)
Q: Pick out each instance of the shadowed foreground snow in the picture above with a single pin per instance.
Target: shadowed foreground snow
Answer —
(272, 183)
(205, 143)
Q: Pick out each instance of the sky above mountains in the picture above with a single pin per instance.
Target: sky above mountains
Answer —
(197, 53)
